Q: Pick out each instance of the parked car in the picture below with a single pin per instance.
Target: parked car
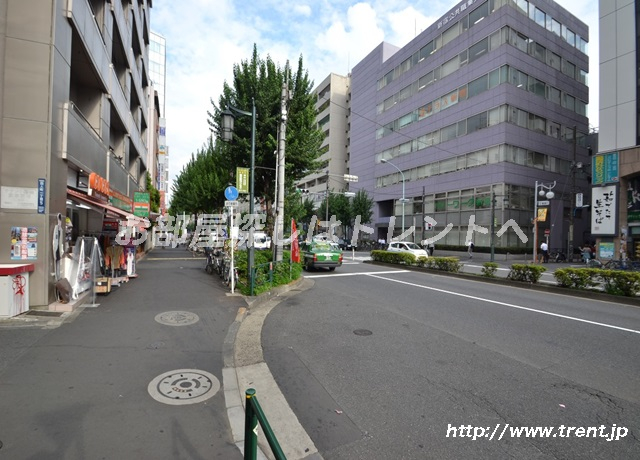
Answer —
(317, 254)
(407, 246)
(261, 240)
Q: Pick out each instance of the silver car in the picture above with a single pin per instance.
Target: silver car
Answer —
(406, 246)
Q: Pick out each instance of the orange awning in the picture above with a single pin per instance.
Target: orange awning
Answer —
(112, 211)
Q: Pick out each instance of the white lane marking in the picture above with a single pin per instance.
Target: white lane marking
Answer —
(510, 305)
(355, 274)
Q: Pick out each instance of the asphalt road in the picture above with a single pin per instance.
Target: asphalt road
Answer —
(381, 363)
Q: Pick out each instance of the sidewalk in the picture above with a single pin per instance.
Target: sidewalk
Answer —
(137, 376)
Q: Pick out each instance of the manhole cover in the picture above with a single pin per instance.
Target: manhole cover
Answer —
(362, 332)
(177, 318)
(184, 386)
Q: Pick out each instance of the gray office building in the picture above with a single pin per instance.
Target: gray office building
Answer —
(470, 119)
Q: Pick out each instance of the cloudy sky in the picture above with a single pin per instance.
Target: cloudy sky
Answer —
(205, 38)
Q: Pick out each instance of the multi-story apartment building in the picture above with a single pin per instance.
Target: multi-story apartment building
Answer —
(158, 75)
(469, 118)
(74, 95)
(615, 213)
(332, 109)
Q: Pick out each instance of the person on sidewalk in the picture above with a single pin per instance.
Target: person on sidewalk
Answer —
(470, 247)
(544, 252)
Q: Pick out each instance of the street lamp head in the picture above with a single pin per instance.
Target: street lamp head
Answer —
(550, 195)
(541, 192)
(227, 125)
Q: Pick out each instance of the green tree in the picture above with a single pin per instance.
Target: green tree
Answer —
(199, 188)
(362, 205)
(339, 206)
(261, 80)
(154, 195)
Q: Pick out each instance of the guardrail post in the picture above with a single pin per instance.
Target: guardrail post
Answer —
(250, 428)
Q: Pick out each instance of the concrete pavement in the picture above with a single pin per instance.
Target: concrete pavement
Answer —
(35, 340)
(97, 375)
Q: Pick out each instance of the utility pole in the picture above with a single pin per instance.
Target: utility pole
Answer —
(424, 223)
(280, 172)
(327, 198)
(573, 197)
(493, 226)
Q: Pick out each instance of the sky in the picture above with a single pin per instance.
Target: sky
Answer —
(205, 38)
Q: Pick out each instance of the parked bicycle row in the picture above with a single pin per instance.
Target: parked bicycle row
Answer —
(219, 261)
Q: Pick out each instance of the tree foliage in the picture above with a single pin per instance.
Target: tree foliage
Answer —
(199, 188)
(346, 210)
(362, 205)
(260, 80)
(154, 195)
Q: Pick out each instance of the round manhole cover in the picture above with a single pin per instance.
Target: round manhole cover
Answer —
(362, 332)
(177, 318)
(184, 386)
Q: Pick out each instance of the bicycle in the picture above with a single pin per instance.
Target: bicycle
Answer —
(227, 275)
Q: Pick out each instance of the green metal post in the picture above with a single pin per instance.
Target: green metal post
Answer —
(250, 428)
(268, 432)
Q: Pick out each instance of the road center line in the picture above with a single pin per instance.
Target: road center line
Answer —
(510, 305)
(333, 275)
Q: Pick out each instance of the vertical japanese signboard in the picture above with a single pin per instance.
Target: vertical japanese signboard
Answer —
(41, 195)
(603, 212)
(242, 180)
(605, 168)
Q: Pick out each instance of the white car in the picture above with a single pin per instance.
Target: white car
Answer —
(406, 246)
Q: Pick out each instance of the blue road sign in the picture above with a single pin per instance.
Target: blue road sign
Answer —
(231, 193)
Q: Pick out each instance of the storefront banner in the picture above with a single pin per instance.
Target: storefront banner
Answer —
(141, 204)
(603, 212)
(633, 200)
(120, 201)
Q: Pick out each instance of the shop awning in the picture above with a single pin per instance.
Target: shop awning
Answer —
(112, 211)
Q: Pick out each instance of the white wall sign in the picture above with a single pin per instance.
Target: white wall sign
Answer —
(18, 197)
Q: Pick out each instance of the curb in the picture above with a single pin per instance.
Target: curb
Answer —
(244, 368)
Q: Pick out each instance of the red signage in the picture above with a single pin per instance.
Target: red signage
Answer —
(98, 187)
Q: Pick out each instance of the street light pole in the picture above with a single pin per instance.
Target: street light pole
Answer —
(227, 135)
(403, 198)
(539, 190)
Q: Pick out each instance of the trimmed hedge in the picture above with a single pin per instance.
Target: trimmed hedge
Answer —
(527, 273)
(616, 282)
(447, 264)
(390, 257)
(489, 269)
